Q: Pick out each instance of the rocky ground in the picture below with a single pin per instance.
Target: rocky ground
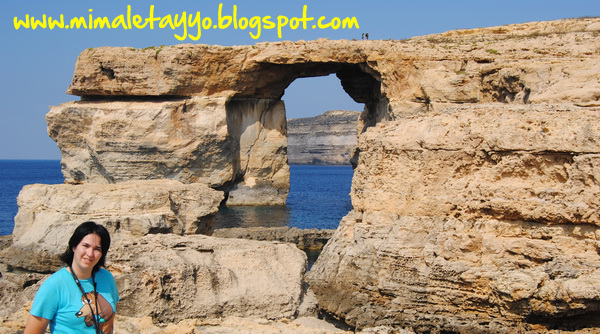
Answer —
(139, 313)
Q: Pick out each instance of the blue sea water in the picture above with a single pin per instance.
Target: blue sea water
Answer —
(319, 196)
(14, 174)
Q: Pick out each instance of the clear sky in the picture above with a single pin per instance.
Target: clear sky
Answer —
(37, 65)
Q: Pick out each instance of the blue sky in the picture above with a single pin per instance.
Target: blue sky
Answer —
(37, 65)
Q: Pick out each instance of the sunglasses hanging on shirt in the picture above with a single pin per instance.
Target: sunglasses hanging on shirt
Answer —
(95, 319)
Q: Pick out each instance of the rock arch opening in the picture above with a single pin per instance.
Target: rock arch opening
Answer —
(322, 138)
(256, 120)
(321, 122)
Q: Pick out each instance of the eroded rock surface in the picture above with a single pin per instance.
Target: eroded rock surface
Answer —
(116, 141)
(490, 221)
(533, 62)
(189, 140)
(327, 139)
(537, 163)
(230, 325)
(172, 278)
(237, 325)
(140, 207)
(259, 126)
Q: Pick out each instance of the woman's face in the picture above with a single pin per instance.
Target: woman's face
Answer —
(87, 253)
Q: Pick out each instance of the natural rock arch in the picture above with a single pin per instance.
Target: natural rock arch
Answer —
(251, 113)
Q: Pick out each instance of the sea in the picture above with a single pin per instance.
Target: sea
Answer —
(319, 196)
(14, 174)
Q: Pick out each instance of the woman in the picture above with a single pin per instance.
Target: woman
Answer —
(81, 297)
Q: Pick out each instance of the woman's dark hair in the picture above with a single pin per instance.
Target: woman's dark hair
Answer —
(80, 232)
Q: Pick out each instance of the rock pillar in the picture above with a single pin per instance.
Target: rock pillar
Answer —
(258, 127)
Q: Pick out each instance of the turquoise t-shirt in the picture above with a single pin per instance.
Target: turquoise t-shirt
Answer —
(59, 299)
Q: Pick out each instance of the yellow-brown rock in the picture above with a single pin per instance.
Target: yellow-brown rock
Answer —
(237, 146)
(535, 62)
(471, 218)
(478, 210)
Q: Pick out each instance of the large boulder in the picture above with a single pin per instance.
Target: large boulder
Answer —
(47, 212)
(116, 141)
(172, 278)
(213, 141)
(537, 163)
(169, 278)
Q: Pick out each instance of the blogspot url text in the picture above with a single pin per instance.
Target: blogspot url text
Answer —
(189, 25)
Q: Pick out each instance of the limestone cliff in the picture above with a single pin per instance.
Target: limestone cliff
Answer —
(327, 139)
(472, 218)
(477, 171)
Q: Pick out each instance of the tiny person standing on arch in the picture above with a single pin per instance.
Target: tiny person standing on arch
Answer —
(81, 297)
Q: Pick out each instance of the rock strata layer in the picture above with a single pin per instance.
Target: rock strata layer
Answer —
(533, 62)
(306, 239)
(327, 139)
(197, 140)
(139, 207)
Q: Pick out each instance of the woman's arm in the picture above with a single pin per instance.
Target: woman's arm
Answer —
(36, 325)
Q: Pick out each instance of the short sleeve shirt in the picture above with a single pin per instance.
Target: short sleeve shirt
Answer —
(60, 300)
